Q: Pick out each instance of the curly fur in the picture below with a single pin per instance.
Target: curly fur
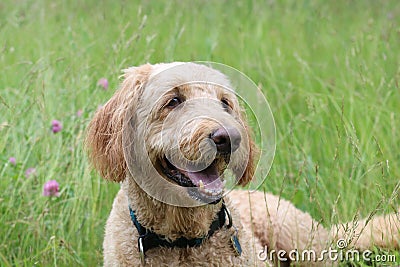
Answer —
(261, 219)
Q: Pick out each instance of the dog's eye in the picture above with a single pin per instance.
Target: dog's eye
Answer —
(174, 102)
(225, 104)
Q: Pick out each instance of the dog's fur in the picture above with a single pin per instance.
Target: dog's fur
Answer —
(261, 219)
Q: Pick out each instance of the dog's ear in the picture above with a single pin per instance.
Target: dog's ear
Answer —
(253, 151)
(104, 133)
(252, 157)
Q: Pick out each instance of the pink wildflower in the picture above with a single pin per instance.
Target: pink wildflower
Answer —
(103, 82)
(79, 113)
(12, 160)
(51, 188)
(56, 126)
(30, 172)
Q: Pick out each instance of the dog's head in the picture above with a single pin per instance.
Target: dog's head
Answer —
(176, 124)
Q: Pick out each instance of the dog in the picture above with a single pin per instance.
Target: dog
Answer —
(168, 135)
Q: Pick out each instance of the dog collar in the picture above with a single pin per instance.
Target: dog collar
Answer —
(148, 239)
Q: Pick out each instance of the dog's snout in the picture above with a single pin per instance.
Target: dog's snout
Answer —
(227, 140)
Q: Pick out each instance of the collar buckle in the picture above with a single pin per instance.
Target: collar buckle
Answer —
(228, 215)
(141, 249)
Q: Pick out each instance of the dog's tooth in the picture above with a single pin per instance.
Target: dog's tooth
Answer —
(201, 184)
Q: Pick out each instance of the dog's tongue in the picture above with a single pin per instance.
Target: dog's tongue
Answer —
(209, 177)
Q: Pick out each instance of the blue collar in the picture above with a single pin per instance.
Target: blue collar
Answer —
(148, 239)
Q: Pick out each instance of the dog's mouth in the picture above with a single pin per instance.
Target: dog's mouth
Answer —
(205, 185)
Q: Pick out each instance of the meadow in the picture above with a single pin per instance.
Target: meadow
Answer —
(329, 69)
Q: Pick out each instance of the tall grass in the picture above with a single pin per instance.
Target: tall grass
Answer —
(330, 70)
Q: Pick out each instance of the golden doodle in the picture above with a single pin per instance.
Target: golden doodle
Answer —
(170, 135)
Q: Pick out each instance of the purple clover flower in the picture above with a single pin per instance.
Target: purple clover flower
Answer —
(103, 82)
(51, 188)
(12, 161)
(56, 126)
(30, 172)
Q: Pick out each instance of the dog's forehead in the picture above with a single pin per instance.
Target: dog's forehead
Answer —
(165, 77)
(189, 71)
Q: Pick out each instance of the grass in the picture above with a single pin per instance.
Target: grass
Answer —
(330, 70)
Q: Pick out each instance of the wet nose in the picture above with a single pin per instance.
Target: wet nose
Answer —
(227, 140)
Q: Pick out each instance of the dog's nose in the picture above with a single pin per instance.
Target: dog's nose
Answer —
(227, 140)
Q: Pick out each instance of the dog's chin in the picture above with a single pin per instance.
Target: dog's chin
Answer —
(206, 185)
